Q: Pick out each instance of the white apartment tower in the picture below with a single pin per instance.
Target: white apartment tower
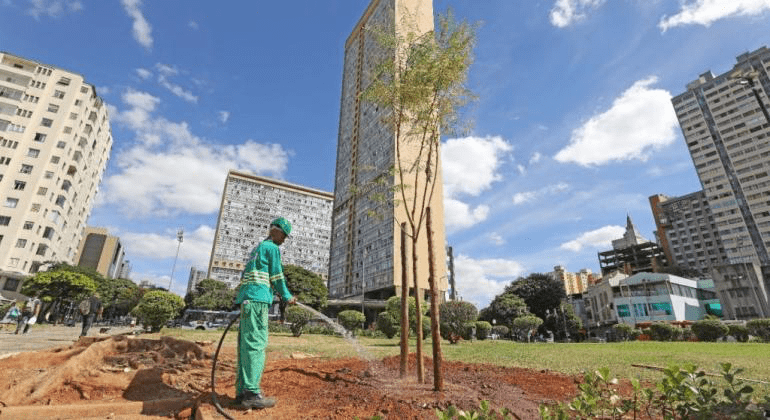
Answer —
(365, 251)
(726, 125)
(249, 204)
(55, 142)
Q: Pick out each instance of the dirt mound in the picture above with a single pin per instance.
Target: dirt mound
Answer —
(125, 370)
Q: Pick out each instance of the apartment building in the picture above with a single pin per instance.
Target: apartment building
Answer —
(55, 141)
(366, 234)
(249, 204)
(726, 125)
(195, 277)
(687, 232)
(101, 252)
(574, 283)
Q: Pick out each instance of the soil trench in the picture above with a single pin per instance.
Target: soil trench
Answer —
(122, 369)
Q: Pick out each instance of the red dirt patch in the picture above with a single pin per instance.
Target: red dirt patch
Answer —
(127, 369)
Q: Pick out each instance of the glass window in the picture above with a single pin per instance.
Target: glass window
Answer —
(58, 94)
(623, 311)
(26, 169)
(46, 122)
(29, 225)
(33, 152)
(21, 243)
(11, 202)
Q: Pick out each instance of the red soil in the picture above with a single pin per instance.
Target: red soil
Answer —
(127, 369)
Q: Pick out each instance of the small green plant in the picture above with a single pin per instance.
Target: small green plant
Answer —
(739, 332)
(759, 328)
(156, 308)
(483, 328)
(298, 317)
(484, 413)
(351, 320)
(387, 324)
(709, 329)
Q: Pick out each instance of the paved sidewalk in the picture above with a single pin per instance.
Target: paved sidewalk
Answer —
(40, 337)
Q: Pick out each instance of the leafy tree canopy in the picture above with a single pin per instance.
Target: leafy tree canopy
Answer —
(59, 284)
(309, 288)
(455, 314)
(212, 295)
(563, 321)
(157, 307)
(503, 309)
(540, 292)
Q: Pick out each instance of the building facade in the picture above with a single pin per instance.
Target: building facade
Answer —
(574, 283)
(249, 204)
(726, 125)
(195, 277)
(632, 254)
(687, 232)
(366, 234)
(55, 141)
(102, 252)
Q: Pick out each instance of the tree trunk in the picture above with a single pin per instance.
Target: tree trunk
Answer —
(404, 305)
(417, 312)
(438, 378)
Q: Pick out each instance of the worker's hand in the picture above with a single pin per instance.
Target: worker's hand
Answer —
(292, 301)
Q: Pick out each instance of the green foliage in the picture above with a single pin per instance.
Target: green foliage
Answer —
(500, 330)
(563, 321)
(540, 292)
(157, 307)
(298, 317)
(484, 413)
(468, 331)
(685, 393)
(739, 332)
(351, 319)
(503, 309)
(483, 328)
(119, 296)
(455, 314)
(59, 284)
(212, 295)
(709, 329)
(387, 324)
(525, 326)
(663, 331)
(623, 331)
(393, 308)
(309, 288)
(759, 328)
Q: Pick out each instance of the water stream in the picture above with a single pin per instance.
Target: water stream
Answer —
(342, 331)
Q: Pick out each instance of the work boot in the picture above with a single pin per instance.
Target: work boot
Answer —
(252, 400)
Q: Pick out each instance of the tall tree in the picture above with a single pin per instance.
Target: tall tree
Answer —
(421, 80)
(540, 292)
(504, 309)
(212, 295)
(59, 284)
(308, 287)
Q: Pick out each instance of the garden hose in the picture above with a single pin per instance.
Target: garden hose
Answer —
(214, 401)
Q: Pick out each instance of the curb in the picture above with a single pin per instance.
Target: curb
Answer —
(80, 411)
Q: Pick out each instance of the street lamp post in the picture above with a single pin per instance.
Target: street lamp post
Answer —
(179, 237)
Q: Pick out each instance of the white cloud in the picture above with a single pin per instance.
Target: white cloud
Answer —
(567, 12)
(155, 175)
(193, 24)
(141, 30)
(496, 238)
(195, 247)
(164, 71)
(706, 12)
(103, 90)
(522, 169)
(640, 121)
(528, 196)
(599, 238)
(535, 158)
(144, 74)
(224, 116)
(459, 215)
(479, 281)
(470, 164)
(52, 8)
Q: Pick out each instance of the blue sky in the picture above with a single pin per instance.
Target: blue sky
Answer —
(572, 131)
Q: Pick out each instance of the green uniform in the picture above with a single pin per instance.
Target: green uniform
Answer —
(262, 277)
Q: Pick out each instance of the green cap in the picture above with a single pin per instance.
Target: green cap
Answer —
(283, 224)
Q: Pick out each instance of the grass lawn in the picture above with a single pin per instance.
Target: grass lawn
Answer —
(569, 358)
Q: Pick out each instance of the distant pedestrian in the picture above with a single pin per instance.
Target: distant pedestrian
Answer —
(28, 315)
(91, 309)
(12, 316)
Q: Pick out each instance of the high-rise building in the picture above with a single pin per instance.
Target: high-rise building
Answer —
(55, 142)
(195, 277)
(632, 254)
(101, 252)
(726, 125)
(366, 243)
(687, 232)
(249, 204)
(574, 283)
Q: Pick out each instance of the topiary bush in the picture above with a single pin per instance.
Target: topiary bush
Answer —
(483, 328)
(500, 331)
(156, 308)
(739, 332)
(623, 331)
(351, 320)
(709, 329)
(455, 314)
(759, 328)
(298, 317)
(468, 330)
(387, 324)
(663, 331)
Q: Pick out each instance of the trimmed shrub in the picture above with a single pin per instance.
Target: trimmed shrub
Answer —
(483, 328)
(623, 331)
(635, 333)
(387, 324)
(501, 331)
(468, 330)
(298, 317)
(277, 327)
(351, 320)
(156, 308)
(709, 329)
(759, 328)
(456, 314)
(662, 331)
(425, 327)
(739, 332)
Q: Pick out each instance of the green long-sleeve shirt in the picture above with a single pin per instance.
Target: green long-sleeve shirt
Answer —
(263, 275)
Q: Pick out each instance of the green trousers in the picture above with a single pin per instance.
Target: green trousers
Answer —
(252, 342)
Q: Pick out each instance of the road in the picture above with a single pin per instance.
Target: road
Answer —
(41, 337)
